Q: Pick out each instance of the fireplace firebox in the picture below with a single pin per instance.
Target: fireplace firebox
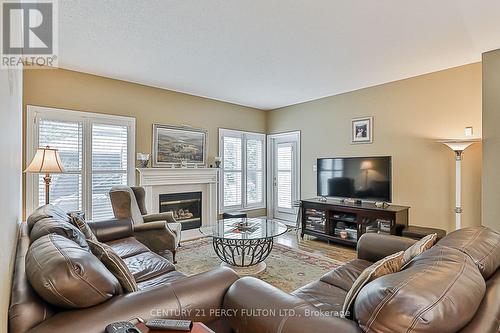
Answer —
(186, 208)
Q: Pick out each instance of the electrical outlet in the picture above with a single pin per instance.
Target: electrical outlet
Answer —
(469, 131)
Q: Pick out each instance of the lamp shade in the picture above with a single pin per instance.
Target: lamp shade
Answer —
(46, 160)
(459, 145)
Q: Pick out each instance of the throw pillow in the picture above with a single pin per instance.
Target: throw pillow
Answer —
(419, 247)
(387, 265)
(82, 225)
(114, 264)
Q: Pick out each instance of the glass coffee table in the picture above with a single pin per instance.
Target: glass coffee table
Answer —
(244, 243)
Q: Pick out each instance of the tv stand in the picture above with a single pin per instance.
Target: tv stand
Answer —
(329, 219)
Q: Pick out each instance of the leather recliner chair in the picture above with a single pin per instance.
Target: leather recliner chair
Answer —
(159, 231)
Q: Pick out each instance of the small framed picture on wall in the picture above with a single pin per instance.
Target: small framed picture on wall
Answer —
(362, 130)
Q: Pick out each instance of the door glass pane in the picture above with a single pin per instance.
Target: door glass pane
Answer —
(284, 177)
(232, 188)
(254, 154)
(284, 189)
(67, 137)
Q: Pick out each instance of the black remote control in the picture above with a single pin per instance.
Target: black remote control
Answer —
(122, 327)
(170, 324)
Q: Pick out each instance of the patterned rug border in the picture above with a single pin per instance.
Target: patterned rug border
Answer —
(283, 249)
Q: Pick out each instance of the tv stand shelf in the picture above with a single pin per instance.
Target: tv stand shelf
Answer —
(331, 218)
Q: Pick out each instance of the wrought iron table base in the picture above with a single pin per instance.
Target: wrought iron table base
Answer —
(242, 254)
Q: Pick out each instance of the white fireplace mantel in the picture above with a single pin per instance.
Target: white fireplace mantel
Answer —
(157, 181)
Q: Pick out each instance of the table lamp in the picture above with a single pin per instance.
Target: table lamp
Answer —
(46, 161)
(458, 146)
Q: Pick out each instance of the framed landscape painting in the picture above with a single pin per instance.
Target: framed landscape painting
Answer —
(362, 130)
(179, 146)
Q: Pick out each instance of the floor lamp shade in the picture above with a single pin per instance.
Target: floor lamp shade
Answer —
(458, 146)
(46, 161)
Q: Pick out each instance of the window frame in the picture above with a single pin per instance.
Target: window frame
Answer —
(34, 113)
(244, 136)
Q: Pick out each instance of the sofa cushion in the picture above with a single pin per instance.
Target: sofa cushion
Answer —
(387, 265)
(147, 265)
(161, 280)
(326, 297)
(52, 225)
(480, 243)
(419, 247)
(45, 211)
(82, 225)
(115, 264)
(439, 291)
(66, 275)
(345, 275)
(127, 247)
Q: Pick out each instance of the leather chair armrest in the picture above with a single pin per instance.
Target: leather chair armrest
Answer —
(108, 230)
(373, 247)
(166, 216)
(253, 306)
(197, 298)
(155, 225)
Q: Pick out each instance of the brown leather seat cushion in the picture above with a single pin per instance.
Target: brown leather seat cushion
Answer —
(65, 275)
(51, 225)
(127, 247)
(345, 275)
(161, 280)
(480, 243)
(147, 265)
(322, 295)
(439, 291)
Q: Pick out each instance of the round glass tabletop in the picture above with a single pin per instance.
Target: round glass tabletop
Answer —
(245, 228)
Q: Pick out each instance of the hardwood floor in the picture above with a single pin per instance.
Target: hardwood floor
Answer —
(312, 245)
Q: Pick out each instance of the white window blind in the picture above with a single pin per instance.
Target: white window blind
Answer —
(242, 178)
(67, 137)
(97, 152)
(284, 184)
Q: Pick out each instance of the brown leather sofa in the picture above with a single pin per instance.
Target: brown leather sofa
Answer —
(453, 287)
(79, 279)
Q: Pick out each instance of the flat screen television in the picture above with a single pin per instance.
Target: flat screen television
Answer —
(365, 178)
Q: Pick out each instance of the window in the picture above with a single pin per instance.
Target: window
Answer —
(242, 179)
(97, 152)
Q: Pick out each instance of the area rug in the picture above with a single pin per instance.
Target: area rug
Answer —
(287, 268)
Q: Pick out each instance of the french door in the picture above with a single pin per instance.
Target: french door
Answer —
(284, 179)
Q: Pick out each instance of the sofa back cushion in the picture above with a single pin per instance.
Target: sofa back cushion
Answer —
(51, 225)
(482, 244)
(46, 211)
(66, 275)
(439, 291)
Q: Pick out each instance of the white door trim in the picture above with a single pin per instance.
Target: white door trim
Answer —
(296, 135)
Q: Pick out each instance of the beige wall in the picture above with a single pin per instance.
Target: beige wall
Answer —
(10, 178)
(78, 91)
(409, 116)
(491, 139)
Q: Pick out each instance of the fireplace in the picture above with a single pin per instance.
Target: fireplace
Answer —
(186, 208)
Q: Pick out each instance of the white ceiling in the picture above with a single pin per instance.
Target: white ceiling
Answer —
(272, 53)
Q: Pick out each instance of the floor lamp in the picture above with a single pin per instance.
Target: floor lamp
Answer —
(458, 146)
(46, 161)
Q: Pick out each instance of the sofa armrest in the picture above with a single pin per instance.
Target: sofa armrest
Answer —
(373, 247)
(165, 216)
(197, 298)
(253, 305)
(108, 230)
(157, 236)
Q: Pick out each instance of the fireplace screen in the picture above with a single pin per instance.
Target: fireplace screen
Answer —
(186, 208)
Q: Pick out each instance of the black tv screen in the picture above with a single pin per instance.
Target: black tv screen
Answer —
(366, 178)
